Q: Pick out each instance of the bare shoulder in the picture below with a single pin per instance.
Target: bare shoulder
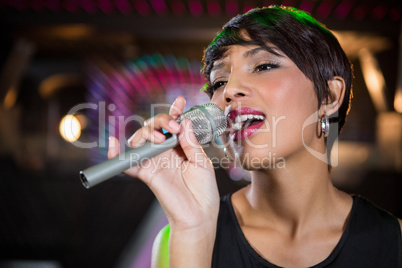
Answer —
(400, 223)
(160, 249)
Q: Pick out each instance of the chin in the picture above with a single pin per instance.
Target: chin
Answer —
(253, 162)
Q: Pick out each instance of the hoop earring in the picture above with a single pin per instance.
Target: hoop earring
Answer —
(324, 121)
(226, 155)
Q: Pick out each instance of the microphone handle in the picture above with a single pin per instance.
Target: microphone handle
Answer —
(112, 167)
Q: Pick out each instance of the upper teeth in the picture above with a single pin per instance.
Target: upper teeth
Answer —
(245, 117)
(240, 119)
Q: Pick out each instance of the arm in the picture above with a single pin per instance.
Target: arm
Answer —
(191, 248)
(186, 249)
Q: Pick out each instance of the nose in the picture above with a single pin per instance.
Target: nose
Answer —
(235, 90)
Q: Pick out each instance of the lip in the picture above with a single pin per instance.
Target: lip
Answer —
(243, 110)
(247, 132)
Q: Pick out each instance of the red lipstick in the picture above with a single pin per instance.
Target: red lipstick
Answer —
(245, 121)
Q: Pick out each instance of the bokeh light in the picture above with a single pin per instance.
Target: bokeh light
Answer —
(70, 128)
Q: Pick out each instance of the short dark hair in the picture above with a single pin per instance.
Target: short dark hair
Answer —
(309, 44)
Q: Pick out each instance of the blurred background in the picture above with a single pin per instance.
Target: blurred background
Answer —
(106, 64)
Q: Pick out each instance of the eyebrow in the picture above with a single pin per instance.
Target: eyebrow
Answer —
(254, 51)
(250, 53)
(218, 66)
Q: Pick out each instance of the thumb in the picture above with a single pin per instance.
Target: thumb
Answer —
(190, 145)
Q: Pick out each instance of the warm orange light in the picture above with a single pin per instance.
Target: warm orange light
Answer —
(374, 79)
(10, 99)
(398, 100)
(70, 128)
(49, 86)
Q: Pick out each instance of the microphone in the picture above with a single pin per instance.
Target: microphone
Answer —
(208, 120)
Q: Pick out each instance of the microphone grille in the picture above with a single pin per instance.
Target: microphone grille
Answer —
(208, 120)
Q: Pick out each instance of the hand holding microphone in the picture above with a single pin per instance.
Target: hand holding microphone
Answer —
(208, 122)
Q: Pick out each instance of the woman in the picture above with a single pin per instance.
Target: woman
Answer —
(271, 70)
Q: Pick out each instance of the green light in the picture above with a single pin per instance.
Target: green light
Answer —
(163, 256)
(204, 87)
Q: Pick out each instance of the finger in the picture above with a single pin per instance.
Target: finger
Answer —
(164, 121)
(144, 135)
(190, 145)
(114, 151)
(177, 107)
(114, 147)
(151, 131)
(146, 122)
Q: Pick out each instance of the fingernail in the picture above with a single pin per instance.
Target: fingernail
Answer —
(174, 125)
(130, 139)
(171, 107)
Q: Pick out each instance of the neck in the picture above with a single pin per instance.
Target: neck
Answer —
(293, 195)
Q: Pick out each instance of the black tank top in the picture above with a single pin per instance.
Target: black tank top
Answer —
(372, 238)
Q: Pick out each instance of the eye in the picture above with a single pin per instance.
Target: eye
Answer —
(215, 86)
(265, 67)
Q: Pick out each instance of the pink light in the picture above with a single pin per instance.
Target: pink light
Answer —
(37, 5)
(324, 9)
(248, 6)
(53, 5)
(289, 3)
(178, 8)
(135, 84)
(360, 12)
(231, 7)
(142, 7)
(88, 6)
(379, 12)
(17, 4)
(141, 79)
(394, 14)
(159, 6)
(106, 6)
(343, 9)
(214, 9)
(120, 89)
(71, 6)
(306, 6)
(195, 8)
(123, 5)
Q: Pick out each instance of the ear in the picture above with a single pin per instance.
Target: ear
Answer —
(336, 87)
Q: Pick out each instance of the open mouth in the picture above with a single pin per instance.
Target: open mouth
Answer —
(245, 122)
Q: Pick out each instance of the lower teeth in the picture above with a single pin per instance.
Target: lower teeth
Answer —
(239, 126)
(250, 123)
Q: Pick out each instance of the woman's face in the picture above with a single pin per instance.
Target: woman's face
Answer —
(266, 99)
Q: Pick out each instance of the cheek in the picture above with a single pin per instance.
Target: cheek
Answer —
(291, 95)
(218, 99)
(291, 103)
